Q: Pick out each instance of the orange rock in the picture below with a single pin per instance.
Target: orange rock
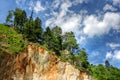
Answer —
(35, 63)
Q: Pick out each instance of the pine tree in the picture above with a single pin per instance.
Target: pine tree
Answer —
(20, 18)
(38, 31)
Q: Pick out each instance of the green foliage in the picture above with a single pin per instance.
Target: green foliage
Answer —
(20, 18)
(57, 40)
(101, 72)
(52, 39)
(107, 64)
(48, 35)
(69, 42)
(9, 17)
(67, 56)
(38, 31)
(81, 60)
(11, 41)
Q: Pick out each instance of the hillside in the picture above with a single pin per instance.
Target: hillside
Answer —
(10, 40)
(35, 63)
(28, 52)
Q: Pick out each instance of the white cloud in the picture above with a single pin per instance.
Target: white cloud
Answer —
(109, 55)
(65, 18)
(114, 56)
(38, 7)
(116, 2)
(82, 39)
(117, 54)
(94, 54)
(109, 7)
(95, 27)
(75, 2)
(21, 3)
(113, 45)
(18, 2)
(56, 3)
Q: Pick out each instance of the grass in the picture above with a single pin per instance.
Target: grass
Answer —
(10, 40)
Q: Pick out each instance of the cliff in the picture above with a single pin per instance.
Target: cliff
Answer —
(35, 63)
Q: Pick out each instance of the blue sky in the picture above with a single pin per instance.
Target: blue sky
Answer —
(96, 23)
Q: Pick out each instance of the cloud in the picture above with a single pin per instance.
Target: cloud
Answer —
(109, 55)
(56, 3)
(31, 5)
(96, 27)
(75, 2)
(113, 45)
(18, 2)
(65, 18)
(116, 2)
(109, 7)
(82, 39)
(94, 54)
(21, 3)
(114, 56)
(38, 7)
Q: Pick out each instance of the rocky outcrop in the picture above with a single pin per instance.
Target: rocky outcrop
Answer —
(35, 63)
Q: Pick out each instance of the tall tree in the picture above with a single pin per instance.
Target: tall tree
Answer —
(38, 31)
(57, 39)
(29, 30)
(57, 31)
(19, 19)
(69, 42)
(48, 36)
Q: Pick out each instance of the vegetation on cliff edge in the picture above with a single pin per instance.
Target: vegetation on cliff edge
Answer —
(21, 29)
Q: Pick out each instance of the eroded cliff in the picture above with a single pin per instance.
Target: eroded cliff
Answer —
(35, 63)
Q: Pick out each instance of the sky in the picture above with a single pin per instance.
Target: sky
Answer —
(95, 23)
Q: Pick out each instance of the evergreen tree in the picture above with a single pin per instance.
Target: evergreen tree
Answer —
(19, 19)
(29, 30)
(48, 36)
(57, 39)
(38, 31)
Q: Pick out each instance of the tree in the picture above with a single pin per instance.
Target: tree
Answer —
(9, 17)
(57, 32)
(107, 64)
(19, 19)
(82, 59)
(38, 31)
(69, 42)
(48, 37)
(31, 29)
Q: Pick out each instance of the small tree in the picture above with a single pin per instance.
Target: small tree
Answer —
(82, 59)
(9, 20)
(107, 64)
(69, 42)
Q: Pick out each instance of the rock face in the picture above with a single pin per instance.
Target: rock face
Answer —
(35, 63)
